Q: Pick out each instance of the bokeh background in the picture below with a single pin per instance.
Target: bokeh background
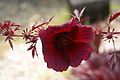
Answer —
(18, 64)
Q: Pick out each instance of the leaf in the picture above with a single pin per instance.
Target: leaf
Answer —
(112, 17)
(30, 48)
(17, 28)
(9, 38)
(36, 51)
(11, 45)
(6, 39)
(97, 42)
(33, 53)
(50, 19)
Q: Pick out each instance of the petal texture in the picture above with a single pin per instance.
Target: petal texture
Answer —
(57, 60)
(79, 52)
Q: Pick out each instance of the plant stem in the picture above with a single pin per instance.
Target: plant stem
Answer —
(113, 32)
(23, 35)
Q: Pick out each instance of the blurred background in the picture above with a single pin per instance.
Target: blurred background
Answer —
(19, 64)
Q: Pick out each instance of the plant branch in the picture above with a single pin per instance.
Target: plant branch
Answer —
(113, 32)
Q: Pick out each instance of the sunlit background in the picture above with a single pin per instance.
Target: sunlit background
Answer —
(18, 64)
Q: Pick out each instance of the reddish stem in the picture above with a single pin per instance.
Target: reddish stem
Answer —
(38, 36)
(113, 32)
(23, 35)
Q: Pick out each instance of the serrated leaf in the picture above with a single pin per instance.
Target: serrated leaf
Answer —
(112, 17)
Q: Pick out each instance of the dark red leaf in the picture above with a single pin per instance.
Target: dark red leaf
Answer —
(36, 51)
(33, 53)
(36, 54)
(9, 38)
(30, 48)
(112, 17)
(50, 19)
(6, 39)
(11, 45)
(17, 28)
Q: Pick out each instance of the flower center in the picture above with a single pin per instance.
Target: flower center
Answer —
(63, 41)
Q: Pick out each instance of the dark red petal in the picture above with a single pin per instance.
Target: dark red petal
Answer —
(56, 60)
(79, 52)
(46, 35)
(67, 27)
(51, 31)
(83, 34)
(43, 36)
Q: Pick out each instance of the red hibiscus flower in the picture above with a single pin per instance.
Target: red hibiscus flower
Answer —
(66, 45)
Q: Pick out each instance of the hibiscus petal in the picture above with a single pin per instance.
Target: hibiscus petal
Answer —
(56, 60)
(46, 38)
(67, 27)
(42, 34)
(79, 52)
(83, 34)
